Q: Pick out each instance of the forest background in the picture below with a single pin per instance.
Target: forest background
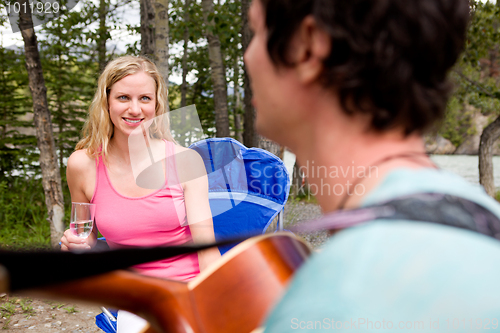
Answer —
(201, 44)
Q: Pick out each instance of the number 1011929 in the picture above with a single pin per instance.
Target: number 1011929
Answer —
(35, 8)
(472, 324)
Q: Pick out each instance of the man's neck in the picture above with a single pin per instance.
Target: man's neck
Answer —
(343, 162)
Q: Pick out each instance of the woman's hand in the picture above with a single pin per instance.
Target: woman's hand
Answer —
(72, 242)
(207, 257)
(81, 176)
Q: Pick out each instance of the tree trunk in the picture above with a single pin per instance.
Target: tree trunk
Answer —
(147, 28)
(60, 143)
(185, 54)
(490, 134)
(60, 110)
(237, 120)
(161, 38)
(51, 178)
(299, 182)
(494, 70)
(102, 36)
(217, 72)
(250, 137)
(237, 105)
(270, 146)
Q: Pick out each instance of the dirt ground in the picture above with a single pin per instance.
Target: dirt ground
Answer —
(23, 314)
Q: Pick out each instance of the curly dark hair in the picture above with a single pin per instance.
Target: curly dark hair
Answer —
(389, 58)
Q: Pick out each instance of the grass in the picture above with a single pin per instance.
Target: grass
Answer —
(54, 305)
(26, 307)
(23, 213)
(71, 309)
(7, 309)
(23, 222)
(6, 324)
(304, 194)
(14, 305)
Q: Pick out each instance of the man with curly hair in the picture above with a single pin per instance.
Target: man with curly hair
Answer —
(350, 86)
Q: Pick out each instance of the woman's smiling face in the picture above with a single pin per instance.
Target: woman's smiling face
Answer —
(131, 101)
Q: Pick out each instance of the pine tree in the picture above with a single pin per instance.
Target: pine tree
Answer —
(69, 78)
(16, 139)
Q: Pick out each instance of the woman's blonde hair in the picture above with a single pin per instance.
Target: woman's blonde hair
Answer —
(98, 128)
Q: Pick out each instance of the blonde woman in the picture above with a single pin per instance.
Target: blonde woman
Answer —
(130, 92)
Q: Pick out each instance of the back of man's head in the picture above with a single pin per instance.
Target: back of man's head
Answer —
(389, 58)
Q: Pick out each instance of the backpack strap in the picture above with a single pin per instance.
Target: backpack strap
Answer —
(422, 207)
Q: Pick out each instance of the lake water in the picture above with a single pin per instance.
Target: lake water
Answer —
(466, 166)
(463, 165)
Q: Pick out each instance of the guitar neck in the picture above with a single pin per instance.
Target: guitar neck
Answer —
(59, 267)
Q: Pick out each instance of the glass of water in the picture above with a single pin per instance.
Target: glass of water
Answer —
(82, 219)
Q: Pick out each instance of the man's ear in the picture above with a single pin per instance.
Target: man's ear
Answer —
(310, 46)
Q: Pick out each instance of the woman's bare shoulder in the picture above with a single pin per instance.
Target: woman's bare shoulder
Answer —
(81, 175)
(190, 165)
(187, 155)
(179, 148)
(80, 162)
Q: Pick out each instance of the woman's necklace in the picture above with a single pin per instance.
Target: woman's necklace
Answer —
(410, 155)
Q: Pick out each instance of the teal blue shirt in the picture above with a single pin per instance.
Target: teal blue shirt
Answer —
(388, 275)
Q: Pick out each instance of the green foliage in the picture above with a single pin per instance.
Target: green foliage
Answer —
(227, 20)
(16, 149)
(23, 214)
(457, 124)
(476, 75)
(483, 33)
(69, 78)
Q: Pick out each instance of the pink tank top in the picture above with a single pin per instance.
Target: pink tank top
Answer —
(156, 219)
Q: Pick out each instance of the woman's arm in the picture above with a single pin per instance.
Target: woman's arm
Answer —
(193, 176)
(80, 173)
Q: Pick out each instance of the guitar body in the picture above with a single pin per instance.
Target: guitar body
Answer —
(233, 295)
(245, 286)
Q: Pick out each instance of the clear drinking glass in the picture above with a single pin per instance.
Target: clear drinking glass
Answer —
(82, 219)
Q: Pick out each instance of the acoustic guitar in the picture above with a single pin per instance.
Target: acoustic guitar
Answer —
(233, 295)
